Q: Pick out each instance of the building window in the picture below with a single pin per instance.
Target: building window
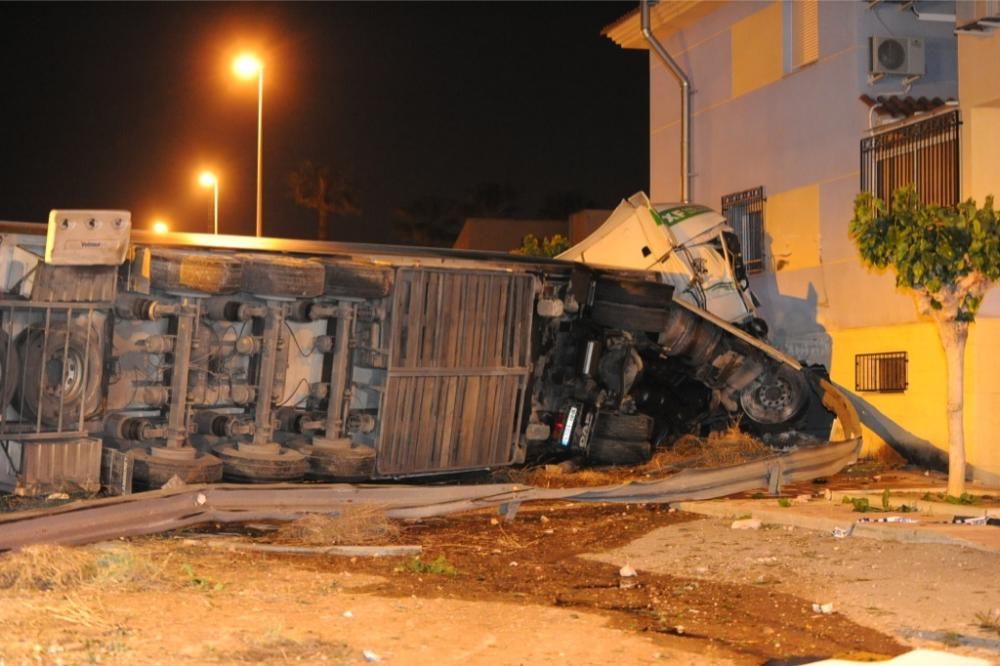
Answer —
(923, 154)
(884, 372)
(802, 21)
(745, 213)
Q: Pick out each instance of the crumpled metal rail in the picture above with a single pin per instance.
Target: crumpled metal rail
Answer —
(160, 511)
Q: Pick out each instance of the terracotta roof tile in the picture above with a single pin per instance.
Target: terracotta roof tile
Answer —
(898, 106)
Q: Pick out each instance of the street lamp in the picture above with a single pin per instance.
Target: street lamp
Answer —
(248, 66)
(209, 179)
(160, 227)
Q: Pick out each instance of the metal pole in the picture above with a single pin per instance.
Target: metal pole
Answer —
(215, 184)
(260, 147)
(682, 79)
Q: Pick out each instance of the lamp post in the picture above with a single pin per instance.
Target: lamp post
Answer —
(209, 179)
(247, 66)
(160, 227)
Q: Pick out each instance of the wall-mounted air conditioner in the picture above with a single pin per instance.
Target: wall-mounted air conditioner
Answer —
(896, 55)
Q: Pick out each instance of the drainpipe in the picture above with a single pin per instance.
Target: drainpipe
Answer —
(682, 79)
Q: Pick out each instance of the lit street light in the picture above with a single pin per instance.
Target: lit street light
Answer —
(209, 179)
(247, 66)
(160, 227)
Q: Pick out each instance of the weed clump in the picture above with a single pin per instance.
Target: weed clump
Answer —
(46, 567)
(439, 565)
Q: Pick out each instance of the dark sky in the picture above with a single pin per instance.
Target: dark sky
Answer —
(119, 105)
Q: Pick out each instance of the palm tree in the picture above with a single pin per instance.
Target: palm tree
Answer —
(325, 192)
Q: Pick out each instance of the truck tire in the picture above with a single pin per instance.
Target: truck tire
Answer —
(624, 452)
(285, 465)
(10, 370)
(190, 270)
(281, 277)
(354, 279)
(629, 317)
(66, 384)
(631, 427)
(150, 472)
(775, 399)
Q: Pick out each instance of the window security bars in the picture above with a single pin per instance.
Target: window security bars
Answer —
(745, 213)
(924, 154)
(884, 372)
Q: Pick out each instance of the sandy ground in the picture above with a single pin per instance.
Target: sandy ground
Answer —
(893, 587)
(543, 589)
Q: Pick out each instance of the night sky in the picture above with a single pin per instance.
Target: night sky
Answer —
(120, 105)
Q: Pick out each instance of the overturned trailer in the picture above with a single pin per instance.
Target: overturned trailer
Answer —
(132, 358)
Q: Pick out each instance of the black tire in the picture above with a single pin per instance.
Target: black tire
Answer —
(244, 467)
(629, 317)
(776, 399)
(631, 427)
(356, 280)
(190, 270)
(10, 370)
(150, 472)
(69, 386)
(281, 277)
(624, 452)
(340, 463)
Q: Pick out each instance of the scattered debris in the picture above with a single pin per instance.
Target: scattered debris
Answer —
(889, 519)
(174, 482)
(55, 497)
(348, 613)
(825, 609)
(841, 533)
(627, 571)
(370, 656)
(746, 524)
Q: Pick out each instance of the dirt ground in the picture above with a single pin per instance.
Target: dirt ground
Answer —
(545, 588)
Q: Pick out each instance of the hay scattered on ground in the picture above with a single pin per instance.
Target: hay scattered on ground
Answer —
(352, 526)
(62, 568)
(727, 447)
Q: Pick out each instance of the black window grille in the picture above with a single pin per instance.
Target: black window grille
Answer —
(884, 372)
(924, 154)
(745, 214)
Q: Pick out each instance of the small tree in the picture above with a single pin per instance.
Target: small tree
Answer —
(548, 246)
(948, 258)
(327, 193)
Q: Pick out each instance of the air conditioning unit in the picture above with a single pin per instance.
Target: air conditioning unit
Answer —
(896, 55)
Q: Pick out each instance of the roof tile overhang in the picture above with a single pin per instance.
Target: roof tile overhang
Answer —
(665, 18)
(899, 106)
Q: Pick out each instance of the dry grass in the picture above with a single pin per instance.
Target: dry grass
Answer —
(352, 526)
(727, 447)
(61, 568)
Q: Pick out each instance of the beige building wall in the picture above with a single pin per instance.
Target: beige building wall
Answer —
(797, 132)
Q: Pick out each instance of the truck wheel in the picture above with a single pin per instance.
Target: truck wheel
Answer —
(10, 370)
(608, 451)
(239, 465)
(72, 371)
(281, 277)
(632, 427)
(775, 398)
(356, 280)
(189, 270)
(629, 317)
(150, 471)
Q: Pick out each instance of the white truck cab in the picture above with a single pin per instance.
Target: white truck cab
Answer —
(691, 247)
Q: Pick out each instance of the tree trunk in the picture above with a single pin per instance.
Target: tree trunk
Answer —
(953, 335)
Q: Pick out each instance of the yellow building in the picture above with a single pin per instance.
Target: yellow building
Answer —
(795, 108)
